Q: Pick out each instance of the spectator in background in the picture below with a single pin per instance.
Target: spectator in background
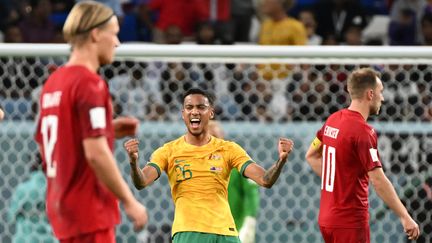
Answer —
(37, 26)
(173, 35)
(13, 34)
(353, 36)
(144, 22)
(242, 12)
(279, 28)
(417, 8)
(206, 34)
(179, 13)
(1, 113)
(402, 31)
(307, 17)
(335, 16)
(426, 29)
(218, 13)
(115, 5)
(243, 196)
(8, 13)
(27, 208)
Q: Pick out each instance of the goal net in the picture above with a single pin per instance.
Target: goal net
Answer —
(262, 93)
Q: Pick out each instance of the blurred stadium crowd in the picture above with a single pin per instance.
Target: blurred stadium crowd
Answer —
(245, 92)
(322, 22)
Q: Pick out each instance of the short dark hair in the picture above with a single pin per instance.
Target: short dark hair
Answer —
(199, 91)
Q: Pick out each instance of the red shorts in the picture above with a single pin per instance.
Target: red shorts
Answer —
(345, 235)
(100, 236)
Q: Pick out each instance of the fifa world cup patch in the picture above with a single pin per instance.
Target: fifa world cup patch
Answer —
(374, 154)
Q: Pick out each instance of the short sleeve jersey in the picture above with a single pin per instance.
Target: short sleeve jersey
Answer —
(198, 177)
(75, 104)
(349, 152)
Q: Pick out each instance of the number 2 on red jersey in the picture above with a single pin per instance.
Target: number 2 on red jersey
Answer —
(49, 128)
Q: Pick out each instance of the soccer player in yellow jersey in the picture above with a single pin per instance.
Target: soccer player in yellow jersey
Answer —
(198, 166)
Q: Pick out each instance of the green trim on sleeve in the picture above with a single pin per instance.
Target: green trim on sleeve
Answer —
(243, 168)
(154, 165)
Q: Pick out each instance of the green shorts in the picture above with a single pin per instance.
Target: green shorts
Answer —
(197, 237)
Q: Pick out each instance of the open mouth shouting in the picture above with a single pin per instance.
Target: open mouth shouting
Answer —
(195, 122)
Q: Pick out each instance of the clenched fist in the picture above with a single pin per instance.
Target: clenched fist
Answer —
(132, 146)
(285, 147)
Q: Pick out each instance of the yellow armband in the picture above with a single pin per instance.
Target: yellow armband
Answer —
(316, 143)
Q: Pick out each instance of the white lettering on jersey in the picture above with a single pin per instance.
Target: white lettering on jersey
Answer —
(374, 154)
(331, 132)
(51, 99)
(97, 117)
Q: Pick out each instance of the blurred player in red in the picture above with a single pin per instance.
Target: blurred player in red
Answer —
(76, 134)
(345, 155)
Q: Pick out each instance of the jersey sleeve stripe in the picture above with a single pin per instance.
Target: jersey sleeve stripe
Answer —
(154, 165)
(243, 168)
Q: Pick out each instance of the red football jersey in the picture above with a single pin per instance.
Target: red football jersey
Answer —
(349, 152)
(75, 104)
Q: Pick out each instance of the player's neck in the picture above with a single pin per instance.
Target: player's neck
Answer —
(361, 107)
(84, 57)
(199, 140)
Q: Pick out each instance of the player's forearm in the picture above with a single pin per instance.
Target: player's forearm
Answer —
(104, 166)
(137, 176)
(314, 159)
(387, 193)
(272, 174)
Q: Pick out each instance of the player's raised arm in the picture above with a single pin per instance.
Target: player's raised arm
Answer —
(314, 156)
(140, 177)
(266, 178)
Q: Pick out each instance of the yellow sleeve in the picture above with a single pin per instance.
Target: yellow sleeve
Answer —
(239, 158)
(159, 159)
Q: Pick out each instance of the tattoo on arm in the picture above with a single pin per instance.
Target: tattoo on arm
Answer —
(272, 174)
(137, 176)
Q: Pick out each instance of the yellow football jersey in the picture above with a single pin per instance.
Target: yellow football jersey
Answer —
(198, 177)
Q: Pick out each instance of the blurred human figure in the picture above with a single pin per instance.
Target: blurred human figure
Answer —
(243, 196)
(345, 155)
(353, 36)
(307, 17)
(426, 29)
(1, 113)
(179, 13)
(173, 35)
(403, 30)
(217, 12)
(335, 16)
(278, 28)
(206, 34)
(242, 12)
(75, 132)
(27, 208)
(37, 26)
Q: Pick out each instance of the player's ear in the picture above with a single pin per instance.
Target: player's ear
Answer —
(94, 35)
(212, 114)
(370, 94)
